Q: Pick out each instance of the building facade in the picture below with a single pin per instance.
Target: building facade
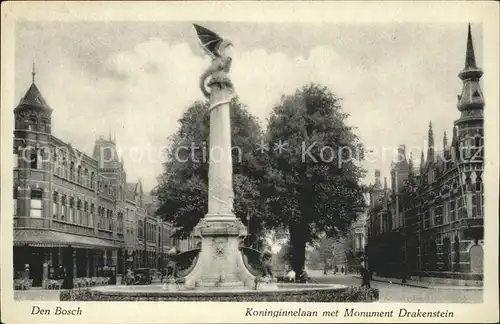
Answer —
(75, 214)
(431, 220)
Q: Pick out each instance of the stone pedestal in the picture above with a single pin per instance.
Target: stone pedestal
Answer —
(220, 262)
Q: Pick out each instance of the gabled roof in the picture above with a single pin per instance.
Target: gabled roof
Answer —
(34, 98)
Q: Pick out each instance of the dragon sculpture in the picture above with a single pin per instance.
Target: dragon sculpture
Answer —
(216, 48)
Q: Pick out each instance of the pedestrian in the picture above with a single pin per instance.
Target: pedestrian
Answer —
(365, 277)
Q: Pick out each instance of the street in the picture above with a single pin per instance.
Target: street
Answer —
(388, 292)
(405, 294)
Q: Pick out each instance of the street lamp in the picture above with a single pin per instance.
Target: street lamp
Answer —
(248, 228)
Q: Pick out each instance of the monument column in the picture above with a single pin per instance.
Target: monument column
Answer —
(220, 262)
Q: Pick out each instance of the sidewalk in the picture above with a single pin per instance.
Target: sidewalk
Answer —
(420, 284)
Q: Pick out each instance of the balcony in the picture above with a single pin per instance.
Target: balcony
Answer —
(72, 228)
(31, 222)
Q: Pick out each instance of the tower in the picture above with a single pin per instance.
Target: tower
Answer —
(33, 118)
(470, 103)
(32, 129)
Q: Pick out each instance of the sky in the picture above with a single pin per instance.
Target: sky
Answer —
(135, 79)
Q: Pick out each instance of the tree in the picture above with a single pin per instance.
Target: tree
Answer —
(313, 184)
(182, 189)
(325, 249)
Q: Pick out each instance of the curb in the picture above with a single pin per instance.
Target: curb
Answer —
(426, 287)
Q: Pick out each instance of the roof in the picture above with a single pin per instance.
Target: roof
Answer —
(130, 189)
(49, 238)
(33, 97)
(470, 58)
(151, 208)
(131, 186)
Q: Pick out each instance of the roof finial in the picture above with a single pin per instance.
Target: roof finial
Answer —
(33, 73)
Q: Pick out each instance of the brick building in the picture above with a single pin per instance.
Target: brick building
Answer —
(74, 213)
(431, 220)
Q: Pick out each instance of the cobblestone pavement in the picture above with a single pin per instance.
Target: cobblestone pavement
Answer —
(405, 294)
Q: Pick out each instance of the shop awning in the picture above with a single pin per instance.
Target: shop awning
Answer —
(48, 238)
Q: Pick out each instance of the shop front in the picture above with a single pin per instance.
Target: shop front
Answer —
(43, 255)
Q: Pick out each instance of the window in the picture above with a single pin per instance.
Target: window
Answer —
(460, 209)
(64, 171)
(474, 205)
(55, 160)
(446, 212)
(55, 205)
(33, 124)
(86, 177)
(85, 216)
(64, 207)
(79, 174)
(16, 160)
(432, 216)
(34, 160)
(71, 210)
(79, 217)
(36, 203)
(110, 216)
(140, 230)
(92, 178)
(14, 197)
(72, 171)
(92, 212)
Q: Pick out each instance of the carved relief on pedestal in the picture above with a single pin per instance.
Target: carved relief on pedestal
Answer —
(219, 246)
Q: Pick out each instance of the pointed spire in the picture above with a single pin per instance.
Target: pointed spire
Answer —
(470, 58)
(470, 101)
(430, 147)
(445, 141)
(422, 161)
(410, 166)
(378, 185)
(33, 73)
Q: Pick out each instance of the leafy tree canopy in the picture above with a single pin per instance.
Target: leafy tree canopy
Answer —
(314, 183)
(182, 189)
